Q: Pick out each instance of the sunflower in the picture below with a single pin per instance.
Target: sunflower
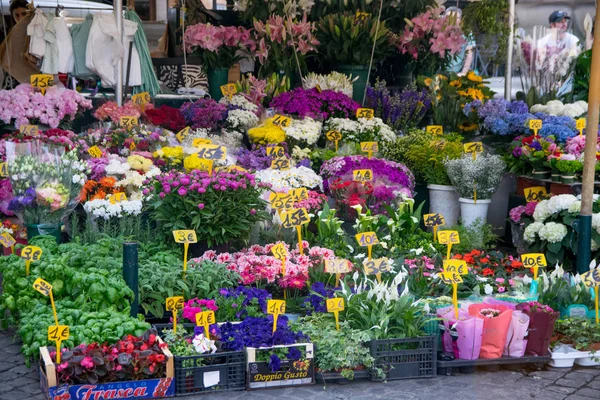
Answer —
(427, 81)
(456, 83)
(474, 77)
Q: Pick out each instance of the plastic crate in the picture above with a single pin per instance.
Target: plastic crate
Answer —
(219, 372)
(432, 328)
(405, 358)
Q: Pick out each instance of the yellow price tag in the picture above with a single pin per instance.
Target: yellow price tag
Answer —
(275, 151)
(362, 175)
(299, 194)
(451, 277)
(141, 99)
(29, 130)
(448, 237)
(3, 169)
(294, 218)
(185, 236)
(436, 219)
(337, 266)
(279, 251)
(435, 130)
(281, 201)
(335, 305)
(367, 238)
(276, 307)
(42, 286)
(333, 136)
(229, 90)
(535, 125)
(205, 318)
(367, 113)
(128, 122)
(591, 278)
(377, 266)
(31, 253)
(174, 303)
(205, 165)
(182, 134)
(212, 152)
(360, 16)
(458, 266)
(534, 260)
(369, 147)
(117, 198)
(95, 152)
(58, 333)
(581, 124)
(280, 163)
(42, 81)
(473, 147)
(535, 194)
(201, 141)
(282, 121)
(7, 240)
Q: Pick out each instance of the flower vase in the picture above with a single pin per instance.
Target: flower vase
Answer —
(473, 212)
(34, 230)
(540, 175)
(518, 241)
(359, 85)
(555, 176)
(217, 77)
(567, 179)
(444, 200)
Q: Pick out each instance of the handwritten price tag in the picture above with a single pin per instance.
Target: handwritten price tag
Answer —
(141, 99)
(535, 194)
(367, 238)
(182, 134)
(174, 303)
(333, 136)
(362, 175)
(42, 81)
(451, 277)
(29, 130)
(448, 237)
(4, 169)
(367, 113)
(360, 17)
(95, 152)
(279, 251)
(31, 253)
(282, 121)
(337, 266)
(281, 201)
(369, 147)
(58, 333)
(128, 122)
(117, 198)
(458, 266)
(435, 130)
(473, 147)
(185, 236)
(205, 165)
(228, 90)
(431, 220)
(299, 194)
(205, 318)
(42, 286)
(581, 124)
(335, 304)
(7, 240)
(377, 266)
(280, 163)
(201, 141)
(212, 152)
(275, 151)
(295, 218)
(591, 278)
(276, 307)
(534, 260)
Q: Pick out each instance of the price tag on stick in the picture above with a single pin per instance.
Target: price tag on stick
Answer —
(591, 279)
(368, 239)
(46, 289)
(435, 130)
(369, 148)
(95, 152)
(581, 124)
(279, 252)
(182, 134)
(229, 90)
(3, 169)
(535, 194)
(141, 99)
(452, 278)
(29, 130)
(275, 151)
(434, 220)
(281, 201)
(535, 125)
(282, 121)
(174, 304)
(458, 266)
(280, 163)
(128, 122)
(362, 175)
(296, 218)
(376, 267)
(186, 237)
(473, 148)
(30, 253)
(8, 241)
(212, 152)
(367, 113)
(58, 334)
(449, 238)
(275, 308)
(534, 261)
(338, 267)
(117, 197)
(334, 306)
(334, 136)
(299, 194)
(42, 81)
(205, 319)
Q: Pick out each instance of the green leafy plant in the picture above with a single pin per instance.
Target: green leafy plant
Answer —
(569, 167)
(582, 332)
(477, 236)
(583, 71)
(428, 157)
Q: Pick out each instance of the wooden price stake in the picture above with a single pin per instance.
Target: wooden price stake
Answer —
(275, 151)
(334, 136)
(368, 239)
(30, 253)
(296, 218)
(367, 113)
(206, 319)
(29, 130)
(275, 308)
(186, 237)
(229, 90)
(338, 267)
(535, 194)
(46, 289)
(535, 125)
(449, 238)
(42, 81)
(591, 279)
(182, 134)
(128, 122)
(453, 278)
(581, 124)
(369, 148)
(212, 152)
(334, 306)
(8, 241)
(458, 266)
(279, 252)
(95, 152)
(534, 261)
(141, 99)
(3, 169)
(58, 333)
(117, 197)
(376, 267)
(282, 121)
(174, 304)
(435, 130)
(434, 220)
(473, 148)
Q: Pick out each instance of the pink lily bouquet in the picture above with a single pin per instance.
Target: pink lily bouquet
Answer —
(218, 46)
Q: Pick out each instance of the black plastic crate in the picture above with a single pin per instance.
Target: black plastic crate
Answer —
(405, 358)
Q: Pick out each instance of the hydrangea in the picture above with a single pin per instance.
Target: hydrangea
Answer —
(532, 230)
(553, 232)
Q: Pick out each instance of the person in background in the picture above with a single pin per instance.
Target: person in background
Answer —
(19, 9)
(558, 37)
(463, 60)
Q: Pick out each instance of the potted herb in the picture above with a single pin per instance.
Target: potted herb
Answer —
(346, 42)
(475, 181)
(568, 169)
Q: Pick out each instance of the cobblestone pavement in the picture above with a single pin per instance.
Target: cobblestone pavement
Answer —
(17, 382)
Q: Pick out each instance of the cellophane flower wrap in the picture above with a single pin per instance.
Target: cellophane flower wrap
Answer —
(541, 326)
(218, 46)
(25, 106)
(46, 181)
(462, 336)
(496, 322)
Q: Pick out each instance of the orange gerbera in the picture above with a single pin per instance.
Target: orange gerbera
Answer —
(108, 182)
(100, 194)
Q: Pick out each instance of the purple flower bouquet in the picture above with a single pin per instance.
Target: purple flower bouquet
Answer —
(204, 113)
(310, 103)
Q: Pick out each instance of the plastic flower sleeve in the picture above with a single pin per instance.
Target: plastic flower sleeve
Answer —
(494, 329)
(516, 337)
(541, 327)
(493, 301)
(465, 333)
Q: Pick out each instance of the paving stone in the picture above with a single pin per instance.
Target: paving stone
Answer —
(588, 392)
(16, 395)
(579, 376)
(588, 371)
(577, 397)
(573, 383)
(560, 389)
(548, 395)
(594, 384)
(550, 375)
(20, 369)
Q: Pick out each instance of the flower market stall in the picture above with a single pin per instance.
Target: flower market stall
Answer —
(308, 223)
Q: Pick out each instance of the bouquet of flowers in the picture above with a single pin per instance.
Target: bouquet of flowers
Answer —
(312, 103)
(256, 158)
(25, 106)
(529, 153)
(261, 10)
(556, 107)
(400, 110)
(111, 111)
(166, 117)
(335, 81)
(242, 113)
(218, 46)
(500, 117)
(362, 130)
(204, 113)
(303, 132)
(267, 133)
(431, 40)
(292, 178)
(483, 174)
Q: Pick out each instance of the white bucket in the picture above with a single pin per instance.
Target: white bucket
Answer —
(444, 200)
(471, 211)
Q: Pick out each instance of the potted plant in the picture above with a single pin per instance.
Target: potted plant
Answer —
(475, 181)
(347, 44)
(568, 169)
(426, 157)
(219, 47)
(541, 326)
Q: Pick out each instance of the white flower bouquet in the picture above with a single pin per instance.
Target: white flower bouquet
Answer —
(335, 81)
(556, 107)
(483, 174)
(303, 132)
(293, 178)
(363, 130)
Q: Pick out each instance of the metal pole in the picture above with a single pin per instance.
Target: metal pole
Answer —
(130, 273)
(584, 251)
(118, 10)
(509, 51)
